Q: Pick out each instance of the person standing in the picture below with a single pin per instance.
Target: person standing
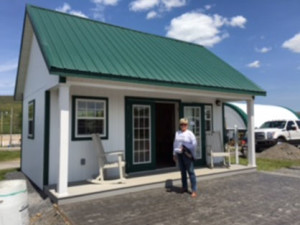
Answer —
(184, 152)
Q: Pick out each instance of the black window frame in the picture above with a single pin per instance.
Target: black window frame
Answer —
(30, 135)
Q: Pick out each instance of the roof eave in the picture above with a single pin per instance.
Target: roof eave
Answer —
(23, 61)
(84, 74)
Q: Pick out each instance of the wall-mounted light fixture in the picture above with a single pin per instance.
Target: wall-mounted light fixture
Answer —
(218, 102)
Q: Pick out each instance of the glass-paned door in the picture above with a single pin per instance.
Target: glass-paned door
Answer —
(141, 129)
(193, 114)
(140, 139)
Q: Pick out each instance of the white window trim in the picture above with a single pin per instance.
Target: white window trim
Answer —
(86, 99)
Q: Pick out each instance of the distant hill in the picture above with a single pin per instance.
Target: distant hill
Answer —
(7, 103)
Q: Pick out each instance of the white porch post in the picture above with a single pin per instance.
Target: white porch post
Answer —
(63, 157)
(251, 141)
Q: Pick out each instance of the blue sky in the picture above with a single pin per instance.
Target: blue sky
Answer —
(260, 38)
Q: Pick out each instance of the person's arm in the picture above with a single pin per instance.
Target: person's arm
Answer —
(174, 145)
(192, 144)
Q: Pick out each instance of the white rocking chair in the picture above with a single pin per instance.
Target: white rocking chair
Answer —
(216, 149)
(105, 164)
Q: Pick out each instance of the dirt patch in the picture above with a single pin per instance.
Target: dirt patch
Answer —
(282, 151)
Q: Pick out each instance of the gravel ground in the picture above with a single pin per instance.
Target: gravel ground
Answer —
(41, 210)
(282, 151)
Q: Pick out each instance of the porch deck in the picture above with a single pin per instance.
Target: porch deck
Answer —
(86, 191)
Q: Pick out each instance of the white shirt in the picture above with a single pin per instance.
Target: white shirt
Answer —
(186, 138)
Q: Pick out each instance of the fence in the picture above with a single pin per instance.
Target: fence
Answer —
(10, 127)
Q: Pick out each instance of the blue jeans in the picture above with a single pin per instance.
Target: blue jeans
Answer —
(187, 166)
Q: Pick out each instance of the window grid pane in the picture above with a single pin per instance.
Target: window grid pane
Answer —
(90, 117)
(208, 118)
(141, 134)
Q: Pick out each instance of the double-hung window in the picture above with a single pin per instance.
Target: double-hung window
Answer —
(208, 118)
(90, 117)
(31, 109)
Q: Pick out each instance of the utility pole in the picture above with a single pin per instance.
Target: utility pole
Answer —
(11, 125)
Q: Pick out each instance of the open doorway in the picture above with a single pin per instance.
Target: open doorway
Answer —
(165, 131)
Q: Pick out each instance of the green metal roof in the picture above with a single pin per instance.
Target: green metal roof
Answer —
(75, 46)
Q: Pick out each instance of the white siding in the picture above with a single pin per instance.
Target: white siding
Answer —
(37, 81)
(84, 149)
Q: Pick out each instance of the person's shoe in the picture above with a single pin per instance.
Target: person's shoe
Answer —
(183, 190)
(194, 194)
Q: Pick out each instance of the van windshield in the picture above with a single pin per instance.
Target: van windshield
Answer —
(274, 124)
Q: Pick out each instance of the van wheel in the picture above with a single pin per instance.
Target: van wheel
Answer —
(281, 140)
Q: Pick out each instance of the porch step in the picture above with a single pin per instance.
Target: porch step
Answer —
(84, 192)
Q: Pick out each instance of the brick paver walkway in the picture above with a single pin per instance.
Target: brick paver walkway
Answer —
(255, 198)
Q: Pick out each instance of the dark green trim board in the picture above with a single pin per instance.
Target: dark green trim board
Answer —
(62, 79)
(46, 139)
(242, 114)
(202, 161)
(33, 121)
(22, 135)
(74, 97)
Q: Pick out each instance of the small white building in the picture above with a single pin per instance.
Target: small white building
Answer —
(78, 76)
(236, 115)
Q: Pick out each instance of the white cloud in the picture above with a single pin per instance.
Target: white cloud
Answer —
(169, 4)
(155, 7)
(199, 28)
(8, 66)
(78, 13)
(66, 8)
(143, 5)
(106, 2)
(255, 64)
(263, 49)
(238, 21)
(151, 15)
(99, 8)
(293, 44)
(208, 7)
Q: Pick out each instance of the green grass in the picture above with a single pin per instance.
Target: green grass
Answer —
(269, 164)
(9, 155)
(6, 104)
(3, 172)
